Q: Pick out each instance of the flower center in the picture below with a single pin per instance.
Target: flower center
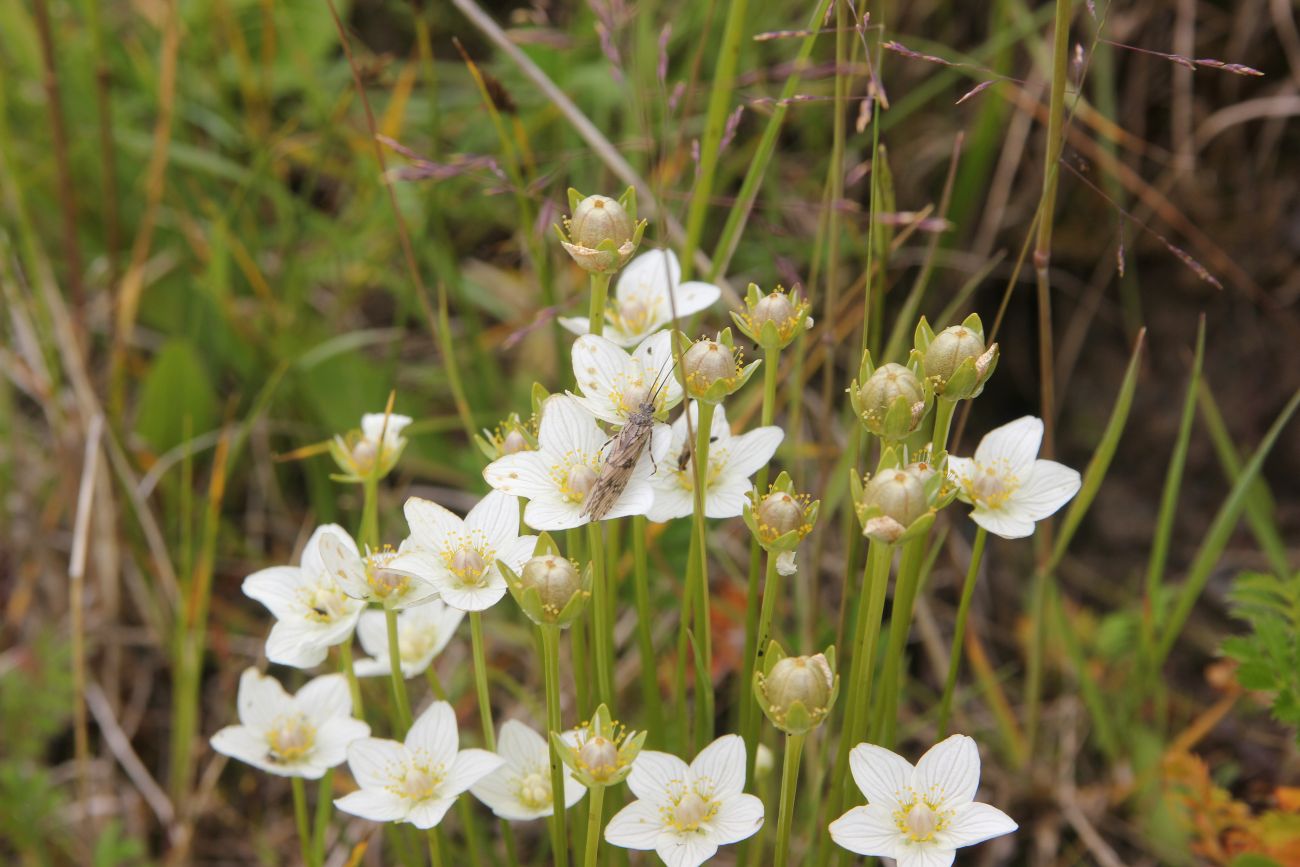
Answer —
(576, 483)
(599, 756)
(920, 822)
(419, 783)
(290, 739)
(690, 812)
(413, 644)
(325, 604)
(992, 485)
(535, 790)
(468, 564)
(717, 460)
(632, 316)
(384, 582)
(629, 399)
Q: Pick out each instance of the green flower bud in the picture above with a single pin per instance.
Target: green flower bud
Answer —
(555, 579)
(891, 402)
(773, 320)
(956, 360)
(796, 692)
(713, 369)
(549, 588)
(782, 517)
(601, 751)
(602, 233)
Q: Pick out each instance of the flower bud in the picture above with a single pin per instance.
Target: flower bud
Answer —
(781, 512)
(891, 401)
(772, 320)
(597, 219)
(363, 456)
(806, 679)
(949, 349)
(599, 756)
(780, 519)
(554, 578)
(924, 471)
(708, 362)
(600, 752)
(898, 494)
(513, 442)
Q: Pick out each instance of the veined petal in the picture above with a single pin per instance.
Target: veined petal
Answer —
(949, 770)
(525, 474)
(553, 514)
(600, 366)
(694, 296)
(520, 746)
(636, 826)
(497, 791)
(652, 774)
(467, 597)
(649, 276)
(671, 501)
(1049, 487)
(566, 427)
(909, 854)
(435, 733)
(1016, 443)
(333, 739)
(277, 588)
(243, 743)
(375, 762)
(324, 697)
(496, 516)
(429, 812)
(418, 563)
(261, 699)
(868, 830)
(372, 630)
(377, 805)
(738, 818)
(685, 849)
(637, 499)
(296, 643)
(342, 562)
(959, 470)
(433, 527)
(727, 497)
(881, 774)
(750, 451)
(655, 355)
(575, 324)
(517, 552)
(312, 563)
(722, 763)
(469, 767)
(975, 823)
(1002, 522)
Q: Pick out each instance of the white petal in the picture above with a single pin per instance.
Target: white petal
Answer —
(517, 552)
(685, 850)
(312, 563)
(648, 276)
(418, 563)
(429, 813)
(727, 497)
(375, 763)
(909, 854)
(469, 767)
(277, 589)
(722, 763)
(372, 630)
(575, 324)
(373, 667)
(497, 792)
(959, 470)
(377, 805)
(599, 366)
(567, 427)
(949, 770)
(433, 527)
(525, 474)
(868, 830)
(785, 564)
(376, 424)
(295, 644)
(637, 499)
(471, 597)
(655, 355)
(636, 826)
(324, 698)
(553, 514)
(652, 772)
(1016, 443)
(1001, 522)
(342, 562)
(975, 823)
(520, 746)
(261, 699)
(881, 774)
(671, 501)
(738, 817)
(1048, 487)
(418, 592)
(243, 743)
(693, 296)
(496, 516)
(573, 791)
(753, 450)
(333, 739)
(436, 733)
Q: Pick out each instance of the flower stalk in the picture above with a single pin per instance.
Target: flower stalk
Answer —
(480, 679)
(602, 636)
(650, 699)
(300, 817)
(599, 297)
(959, 629)
(551, 676)
(700, 573)
(401, 700)
(789, 785)
(595, 814)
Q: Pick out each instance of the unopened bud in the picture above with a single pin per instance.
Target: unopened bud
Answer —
(599, 756)
(513, 442)
(597, 219)
(805, 679)
(554, 578)
(775, 308)
(781, 512)
(950, 348)
(898, 494)
(889, 382)
(707, 362)
(363, 456)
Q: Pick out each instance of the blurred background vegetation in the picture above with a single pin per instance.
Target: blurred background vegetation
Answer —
(195, 240)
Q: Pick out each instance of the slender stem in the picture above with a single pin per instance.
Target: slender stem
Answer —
(321, 822)
(754, 660)
(595, 817)
(900, 626)
(551, 675)
(650, 699)
(480, 679)
(599, 296)
(400, 698)
(370, 511)
(703, 629)
(789, 785)
(435, 848)
(959, 629)
(602, 638)
(354, 686)
(943, 411)
(300, 815)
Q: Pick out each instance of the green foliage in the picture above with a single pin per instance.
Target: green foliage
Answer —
(1270, 654)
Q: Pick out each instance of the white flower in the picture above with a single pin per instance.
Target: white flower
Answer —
(918, 816)
(1009, 489)
(299, 735)
(312, 613)
(641, 304)
(520, 789)
(422, 633)
(685, 813)
(373, 429)
(732, 460)
(459, 557)
(416, 781)
(614, 384)
(371, 577)
(559, 475)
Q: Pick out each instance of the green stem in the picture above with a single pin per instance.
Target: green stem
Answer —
(480, 679)
(789, 785)
(300, 815)
(602, 638)
(354, 686)
(650, 699)
(435, 848)
(595, 815)
(370, 512)
(599, 296)
(703, 629)
(551, 675)
(959, 629)
(320, 824)
(900, 626)
(400, 699)
(943, 412)
(754, 656)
